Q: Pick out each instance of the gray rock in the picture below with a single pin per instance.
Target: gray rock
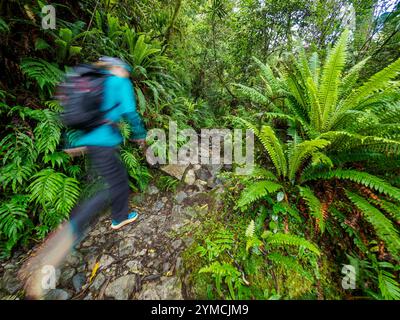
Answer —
(121, 288)
(158, 206)
(214, 169)
(88, 297)
(178, 263)
(180, 196)
(126, 247)
(152, 190)
(138, 198)
(66, 276)
(134, 266)
(169, 288)
(203, 174)
(190, 177)
(175, 170)
(74, 259)
(105, 261)
(10, 283)
(166, 267)
(200, 185)
(98, 282)
(176, 244)
(57, 294)
(78, 281)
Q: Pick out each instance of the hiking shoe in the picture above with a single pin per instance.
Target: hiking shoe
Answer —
(131, 217)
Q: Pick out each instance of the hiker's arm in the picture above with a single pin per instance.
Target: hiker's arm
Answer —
(130, 113)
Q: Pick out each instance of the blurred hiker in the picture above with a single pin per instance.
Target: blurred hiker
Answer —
(95, 98)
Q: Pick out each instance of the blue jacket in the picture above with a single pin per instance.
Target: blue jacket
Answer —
(116, 90)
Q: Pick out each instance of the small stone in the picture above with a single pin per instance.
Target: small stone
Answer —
(66, 276)
(88, 297)
(98, 282)
(152, 190)
(158, 206)
(175, 170)
(126, 247)
(57, 294)
(200, 184)
(166, 289)
(81, 268)
(106, 260)
(166, 267)
(178, 263)
(121, 288)
(180, 196)
(78, 281)
(10, 282)
(188, 241)
(138, 199)
(211, 183)
(164, 199)
(203, 174)
(134, 266)
(176, 244)
(74, 259)
(190, 177)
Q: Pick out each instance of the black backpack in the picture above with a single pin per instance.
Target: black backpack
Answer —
(81, 96)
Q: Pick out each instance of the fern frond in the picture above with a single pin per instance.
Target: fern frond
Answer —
(255, 192)
(250, 230)
(360, 177)
(44, 73)
(290, 264)
(252, 94)
(388, 285)
(314, 205)
(284, 239)
(382, 225)
(328, 91)
(377, 82)
(301, 152)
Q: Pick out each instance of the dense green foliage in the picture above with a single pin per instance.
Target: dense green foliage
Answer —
(316, 81)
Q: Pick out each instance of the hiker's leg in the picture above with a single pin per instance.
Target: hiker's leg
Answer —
(107, 163)
(84, 212)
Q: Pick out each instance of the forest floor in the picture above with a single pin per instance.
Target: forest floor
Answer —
(143, 260)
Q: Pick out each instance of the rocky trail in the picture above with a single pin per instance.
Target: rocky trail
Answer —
(142, 260)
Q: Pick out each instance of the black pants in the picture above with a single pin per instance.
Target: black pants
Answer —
(106, 162)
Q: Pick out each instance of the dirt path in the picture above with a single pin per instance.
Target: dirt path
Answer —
(142, 260)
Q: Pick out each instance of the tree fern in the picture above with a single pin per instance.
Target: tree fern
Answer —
(382, 225)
